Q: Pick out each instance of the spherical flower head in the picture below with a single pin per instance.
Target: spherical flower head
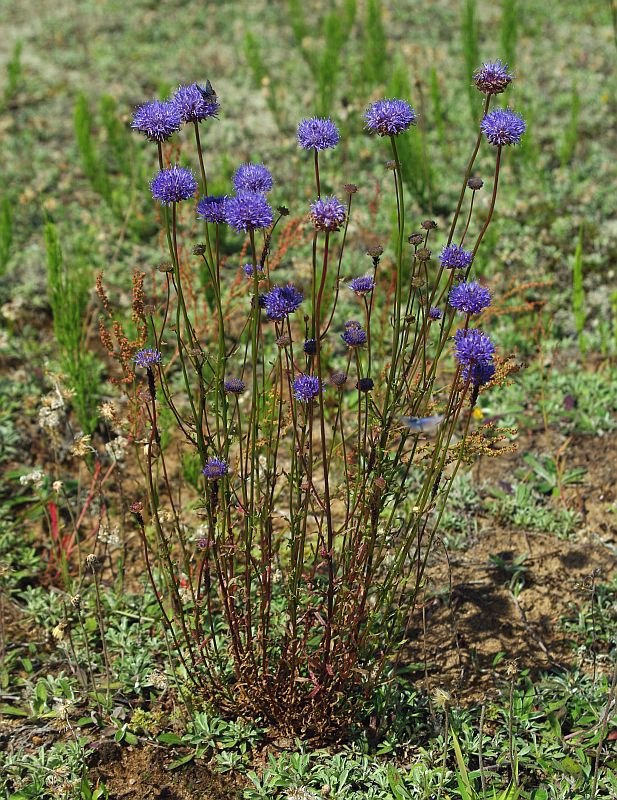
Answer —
(194, 103)
(147, 358)
(389, 117)
(454, 257)
(306, 387)
(492, 77)
(248, 211)
(338, 379)
(354, 336)
(479, 374)
(365, 384)
(363, 284)
(212, 208)
(317, 133)
(248, 269)
(157, 120)
(328, 214)
(471, 298)
(234, 385)
(435, 313)
(310, 347)
(281, 301)
(215, 469)
(472, 347)
(252, 178)
(172, 185)
(502, 126)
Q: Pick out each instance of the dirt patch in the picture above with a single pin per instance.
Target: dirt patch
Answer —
(141, 773)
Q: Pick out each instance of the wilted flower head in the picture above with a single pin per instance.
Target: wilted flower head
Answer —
(469, 297)
(454, 257)
(281, 301)
(157, 120)
(147, 358)
(306, 387)
(354, 336)
(502, 126)
(172, 185)
(248, 269)
(435, 313)
(328, 214)
(194, 103)
(472, 347)
(363, 284)
(234, 385)
(252, 178)
(215, 469)
(248, 211)
(492, 77)
(212, 208)
(338, 379)
(317, 133)
(389, 117)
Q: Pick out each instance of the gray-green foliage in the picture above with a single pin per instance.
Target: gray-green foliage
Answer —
(471, 49)
(567, 146)
(68, 288)
(374, 61)
(6, 232)
(578, 292)
(14, 74)
(509, 30)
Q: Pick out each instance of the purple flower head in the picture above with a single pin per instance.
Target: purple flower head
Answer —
(435, 313)
(248, 211)
(173, 185)
(328, 214)
(354, 336)
(502, 126)
(310, 347)
(389, 117)
(363, 284)
(492, 77)
(215, 469)
(252, 178)
(306, 387)
(212, 208)
(248, 269)
(472, 347)
(234, 385)
(157, 120)
(454, 257)
(194, 103)
(317, 133)
(147, 358)
(470, 298)
(281, 301)
(479, 374)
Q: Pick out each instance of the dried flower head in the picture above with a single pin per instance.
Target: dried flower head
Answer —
(454, 257)
(172, 185)
(415, 239)
(157, 120)
(429, 225)
(350, 188)
(212, 208)
(248, 211)
(503, 127)
(317, 133)
(252, 178)
(194, 103)
(475, 183)
(81, 446)
(389, 117)
(492, 77)
(328, 214)
(338, 379)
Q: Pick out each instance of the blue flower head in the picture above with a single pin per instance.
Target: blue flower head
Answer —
(248, 211)
(157, 120)
(306, 387)
(389, 117)
(472, 347)
(147, 358)
(172, 185)
(215, 469)
(234, 385)
(471, 298)
(212, 208)
(317, 133)
(363, 284)
(492, 77)
(479, 374)
(354, 335)
(281, 301)
(502, 126)
(435, 313)
(328, 214)
(248, 269)
(252, 178)
(194, 103)
(454, 257)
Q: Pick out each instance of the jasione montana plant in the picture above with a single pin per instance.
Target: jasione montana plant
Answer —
(327, 445)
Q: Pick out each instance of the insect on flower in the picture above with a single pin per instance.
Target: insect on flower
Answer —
(423, 424)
